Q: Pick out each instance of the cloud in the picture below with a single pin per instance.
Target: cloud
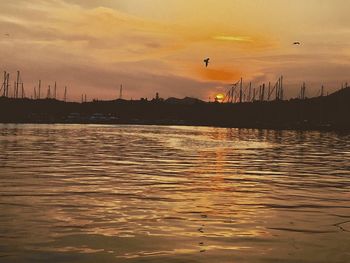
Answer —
(93, 46)
(234, 38)
(218, 74)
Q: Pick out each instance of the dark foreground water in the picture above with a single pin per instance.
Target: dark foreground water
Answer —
(85, 193)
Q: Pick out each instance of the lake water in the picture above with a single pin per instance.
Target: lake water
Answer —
(93, 193)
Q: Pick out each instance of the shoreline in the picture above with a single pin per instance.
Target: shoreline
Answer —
(324, 128)
(324, 113)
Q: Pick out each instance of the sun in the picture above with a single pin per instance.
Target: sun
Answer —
(219, 97)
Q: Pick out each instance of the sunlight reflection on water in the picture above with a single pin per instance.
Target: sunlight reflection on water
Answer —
(90, 193)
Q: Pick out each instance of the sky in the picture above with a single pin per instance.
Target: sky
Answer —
(150, 46)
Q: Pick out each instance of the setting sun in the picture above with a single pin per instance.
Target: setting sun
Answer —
(219, 97)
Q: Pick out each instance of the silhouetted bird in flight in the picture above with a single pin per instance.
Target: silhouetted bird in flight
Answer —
(206, 61)
(297, 43)
(234, 84)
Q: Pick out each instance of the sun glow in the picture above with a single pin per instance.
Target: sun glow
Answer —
(219, 97)
(159, 45)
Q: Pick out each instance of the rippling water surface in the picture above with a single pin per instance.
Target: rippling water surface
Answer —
(88, 193)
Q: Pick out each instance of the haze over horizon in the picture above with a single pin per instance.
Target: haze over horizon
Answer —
(159, 46)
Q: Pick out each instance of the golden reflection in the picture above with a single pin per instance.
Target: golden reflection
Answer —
(219, 198)
(166, 191)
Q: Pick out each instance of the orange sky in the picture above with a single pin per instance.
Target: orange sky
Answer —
(154, 46)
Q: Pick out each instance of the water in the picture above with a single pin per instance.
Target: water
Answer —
(89, 193)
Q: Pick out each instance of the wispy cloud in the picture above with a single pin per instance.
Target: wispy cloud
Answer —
(234, 38)
(93, 45)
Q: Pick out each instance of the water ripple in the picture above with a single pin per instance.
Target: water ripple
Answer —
(88, 193)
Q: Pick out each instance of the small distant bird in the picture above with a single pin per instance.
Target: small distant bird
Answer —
(297, 43)
(206, 61)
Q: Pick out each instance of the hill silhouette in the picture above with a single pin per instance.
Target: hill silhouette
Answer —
(327, 112)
